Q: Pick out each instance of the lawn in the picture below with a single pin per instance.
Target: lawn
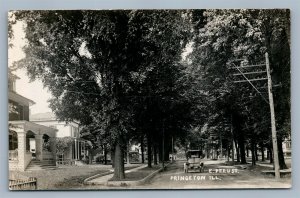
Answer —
(66, 177)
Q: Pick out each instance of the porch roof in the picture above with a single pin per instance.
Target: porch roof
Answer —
(20, 99)
(24, 126)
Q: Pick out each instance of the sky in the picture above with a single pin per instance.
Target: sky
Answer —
(31, 90)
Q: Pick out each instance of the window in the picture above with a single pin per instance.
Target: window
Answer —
(13, 140)
(14, 111)
(60, 157)
(12, 85)
(74, 131)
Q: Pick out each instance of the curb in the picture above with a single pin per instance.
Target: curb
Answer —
(86, 181)
(135, 183)
(121, 183)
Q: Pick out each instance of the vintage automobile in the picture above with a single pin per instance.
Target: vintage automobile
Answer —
(194, 161)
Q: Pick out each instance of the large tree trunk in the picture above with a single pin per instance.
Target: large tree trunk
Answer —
(142, 149)
(155, 154)
(238, 157)
(166, 149)
(159, 147)
(105, 155)
(262, 152)
(149, 151)
(228, 151)
(241, 143)
(282, 164)
(119, 173)
(128, 154)
(256, 153)
(253, 152)
(270, 154)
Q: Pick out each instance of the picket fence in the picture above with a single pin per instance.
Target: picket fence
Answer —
(23, 184)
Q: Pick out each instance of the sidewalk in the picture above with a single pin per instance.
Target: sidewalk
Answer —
(272, 171)
(103, 180)
(264, 164)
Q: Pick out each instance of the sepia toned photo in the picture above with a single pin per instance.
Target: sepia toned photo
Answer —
(149, 99)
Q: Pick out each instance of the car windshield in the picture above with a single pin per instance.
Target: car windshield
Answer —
(194, 153)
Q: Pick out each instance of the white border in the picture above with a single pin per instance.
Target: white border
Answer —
(294, 5)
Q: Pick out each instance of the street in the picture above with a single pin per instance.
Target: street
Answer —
(216, 175)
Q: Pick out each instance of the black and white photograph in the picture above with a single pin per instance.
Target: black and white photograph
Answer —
(149, 99)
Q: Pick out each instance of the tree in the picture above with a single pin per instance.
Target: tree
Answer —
(94, 61)
(62, 144)
(243, 34)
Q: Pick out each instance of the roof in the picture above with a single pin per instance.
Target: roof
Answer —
(48, 116)
(19, 98)
(34, 127)
(42, 116)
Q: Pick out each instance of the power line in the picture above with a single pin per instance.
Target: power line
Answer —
(250, 80)
(249, 66)
(258, 72)
(247, 80)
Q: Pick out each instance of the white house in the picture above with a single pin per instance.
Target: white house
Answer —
(77, 150)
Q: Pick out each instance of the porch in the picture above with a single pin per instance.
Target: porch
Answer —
(29, 141)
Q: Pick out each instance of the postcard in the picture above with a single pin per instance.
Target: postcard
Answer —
(149, 99)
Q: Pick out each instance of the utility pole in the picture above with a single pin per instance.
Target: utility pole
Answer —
(163, 146)
(172, 149)
(270, 102)
(128, 150)
(221, 147)
(273, 121)
(231, 130)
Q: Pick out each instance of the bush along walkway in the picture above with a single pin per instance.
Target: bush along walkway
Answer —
(133, 177)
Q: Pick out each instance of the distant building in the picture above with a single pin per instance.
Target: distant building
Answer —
(287, 147)
(27, 140)
(77, 150)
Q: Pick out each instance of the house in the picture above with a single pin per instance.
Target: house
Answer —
(77, 149)
(287, 146)
(28, 141)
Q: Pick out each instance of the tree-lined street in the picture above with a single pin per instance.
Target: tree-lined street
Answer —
(216, 175)
(169, 81)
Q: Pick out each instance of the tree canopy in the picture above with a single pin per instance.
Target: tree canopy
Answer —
(125, 74)
(99, 65)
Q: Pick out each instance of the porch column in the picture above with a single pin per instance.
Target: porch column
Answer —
(39, 147)
(21, 150)
(53, 148)
(78, 150)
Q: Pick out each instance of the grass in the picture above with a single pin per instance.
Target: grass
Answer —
(77, 181)
(67, 177)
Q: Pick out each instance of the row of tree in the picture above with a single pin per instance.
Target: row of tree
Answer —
(238, 111)
(126, 77)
